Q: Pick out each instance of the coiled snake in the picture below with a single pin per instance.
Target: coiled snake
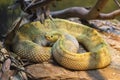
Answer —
(30, 42)
(98, 57)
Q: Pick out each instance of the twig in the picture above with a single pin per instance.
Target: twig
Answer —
(5, 70)
(117, 2)
(20, 69)
(29, 5)
(97, 8)
(82, 13)
(110, 15)
(38, 4)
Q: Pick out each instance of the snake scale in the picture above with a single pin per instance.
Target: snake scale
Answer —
(31, 40)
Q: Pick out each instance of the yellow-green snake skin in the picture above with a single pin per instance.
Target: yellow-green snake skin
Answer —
(30, 40)
(98, 57)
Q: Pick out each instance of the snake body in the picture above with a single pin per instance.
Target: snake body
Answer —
(30, 42)
(98, 57)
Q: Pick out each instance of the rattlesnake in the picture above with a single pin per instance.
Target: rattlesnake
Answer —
(26, 41)
(98, 57)
(29, 43)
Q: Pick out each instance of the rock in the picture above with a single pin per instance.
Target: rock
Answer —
(51, 71)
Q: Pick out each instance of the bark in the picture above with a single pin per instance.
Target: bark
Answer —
(38, 4)
(117, 2)
(83, 13)
(110, 15)
(94, 12)
(5, 71)
(70, 12)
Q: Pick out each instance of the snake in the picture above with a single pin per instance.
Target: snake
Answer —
(96, 57)
(32, 38)
(29, 43)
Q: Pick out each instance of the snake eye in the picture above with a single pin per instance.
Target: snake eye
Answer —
(51, 36)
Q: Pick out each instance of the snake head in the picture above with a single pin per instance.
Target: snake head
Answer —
(52, 36)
